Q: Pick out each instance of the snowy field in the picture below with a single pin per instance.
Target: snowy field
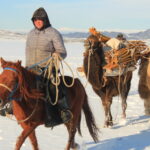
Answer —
(132, 134)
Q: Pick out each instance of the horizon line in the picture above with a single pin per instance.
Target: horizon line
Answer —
(69, 30)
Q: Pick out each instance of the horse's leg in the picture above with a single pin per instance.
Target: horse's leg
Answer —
(106, 101)
(107, 105)
(124, 105)
(27, 130)
(71, 127)
(124, 93)
(147, 106)
(33, 140)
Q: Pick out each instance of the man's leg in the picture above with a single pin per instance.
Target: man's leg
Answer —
(63, 104)
(51, 119)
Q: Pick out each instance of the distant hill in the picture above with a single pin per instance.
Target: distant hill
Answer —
(77, 36)
(140, 35)
(4, 34)
(134, 36)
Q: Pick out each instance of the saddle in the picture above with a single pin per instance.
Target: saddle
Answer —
(53, 116)
(57, 109)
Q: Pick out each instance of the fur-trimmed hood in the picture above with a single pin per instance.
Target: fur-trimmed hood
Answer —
(41, 14)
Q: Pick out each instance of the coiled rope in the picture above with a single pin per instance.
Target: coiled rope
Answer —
(55, 62)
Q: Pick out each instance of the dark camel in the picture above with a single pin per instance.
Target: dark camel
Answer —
(105, 88)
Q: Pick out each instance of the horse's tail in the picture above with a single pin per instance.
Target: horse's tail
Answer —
(90, 121)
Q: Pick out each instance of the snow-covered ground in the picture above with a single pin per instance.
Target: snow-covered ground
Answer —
(132, 134)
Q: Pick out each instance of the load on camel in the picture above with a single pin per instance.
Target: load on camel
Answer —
(96, 62)
(120, 55)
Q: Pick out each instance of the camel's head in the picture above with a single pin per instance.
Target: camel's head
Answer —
(92, 42)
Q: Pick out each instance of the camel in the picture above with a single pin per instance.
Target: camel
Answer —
(105, 87)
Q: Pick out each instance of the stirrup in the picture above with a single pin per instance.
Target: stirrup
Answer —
(66, 116)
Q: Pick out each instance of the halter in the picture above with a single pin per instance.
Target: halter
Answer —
(12, 91)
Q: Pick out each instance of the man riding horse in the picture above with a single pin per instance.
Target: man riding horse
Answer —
(44, 41)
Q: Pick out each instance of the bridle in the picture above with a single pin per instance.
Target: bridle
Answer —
(11, 91)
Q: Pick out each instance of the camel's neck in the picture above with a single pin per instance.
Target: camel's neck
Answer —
(93, 69)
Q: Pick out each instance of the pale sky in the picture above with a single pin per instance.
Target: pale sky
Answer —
(78, 14)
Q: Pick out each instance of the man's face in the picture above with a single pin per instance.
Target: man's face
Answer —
(38, 23)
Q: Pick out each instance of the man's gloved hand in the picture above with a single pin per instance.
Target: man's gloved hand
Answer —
(87, 44)
(55, 55)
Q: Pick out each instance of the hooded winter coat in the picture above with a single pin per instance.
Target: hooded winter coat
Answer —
(42, 43)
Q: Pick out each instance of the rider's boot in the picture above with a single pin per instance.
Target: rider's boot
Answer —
(51, 118)
(62, 103)
(64, 108)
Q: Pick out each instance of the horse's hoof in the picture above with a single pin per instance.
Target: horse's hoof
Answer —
(123, 121)
(147, 112)
(75, 146)
(108, 124)
(123, 116)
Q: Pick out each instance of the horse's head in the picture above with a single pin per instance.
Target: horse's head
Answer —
(8, 81)
(16, 83)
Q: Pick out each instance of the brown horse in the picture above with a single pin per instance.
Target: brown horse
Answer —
(144, 82)
(19, 84)
(111, 86)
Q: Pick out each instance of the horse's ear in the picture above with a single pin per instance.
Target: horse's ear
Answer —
(19, 62)
(2, 62)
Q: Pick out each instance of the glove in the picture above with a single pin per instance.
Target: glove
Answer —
(55, 55)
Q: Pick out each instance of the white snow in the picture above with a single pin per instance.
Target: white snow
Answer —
(130, 134)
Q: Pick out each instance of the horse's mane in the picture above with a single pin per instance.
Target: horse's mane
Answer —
(26, 81)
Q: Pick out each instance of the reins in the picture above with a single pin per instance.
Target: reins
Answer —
(27, 118)
(6, 87)
(90, 52)
(12, 91)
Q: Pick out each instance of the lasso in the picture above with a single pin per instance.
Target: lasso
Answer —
(54, 62)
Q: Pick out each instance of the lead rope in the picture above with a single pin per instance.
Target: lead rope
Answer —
(23, 120)
(48, 75)
(63, 77)
(88, 71)
(119, 92)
